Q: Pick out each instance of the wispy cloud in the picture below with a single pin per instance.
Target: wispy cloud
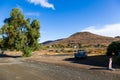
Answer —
(18, 6)
(110, 30)
(36, 14)
(43, 3)
(43, 32)
(32, 14)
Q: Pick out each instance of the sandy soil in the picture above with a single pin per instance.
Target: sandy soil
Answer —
(56, 67)
(90, 63)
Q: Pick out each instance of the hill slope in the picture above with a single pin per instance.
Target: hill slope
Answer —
(85, 38)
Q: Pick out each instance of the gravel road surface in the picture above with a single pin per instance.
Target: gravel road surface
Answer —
(21, 69)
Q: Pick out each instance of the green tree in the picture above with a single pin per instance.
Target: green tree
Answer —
(113, 50)
(33, 34)
(19, 33)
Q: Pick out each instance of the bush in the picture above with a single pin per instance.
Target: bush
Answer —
(118, 60)
(113, 49)
(27, 51)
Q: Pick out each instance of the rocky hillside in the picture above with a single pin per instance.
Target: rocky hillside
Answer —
(85, 38)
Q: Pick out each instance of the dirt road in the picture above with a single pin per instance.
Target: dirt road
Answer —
(22, 69)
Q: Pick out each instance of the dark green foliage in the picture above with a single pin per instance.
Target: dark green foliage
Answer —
(113, 49)
(118, 60)
(18, 32)
(27, 51)
(33, 34)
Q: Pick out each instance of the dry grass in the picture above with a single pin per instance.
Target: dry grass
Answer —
(13, 53)
(91, 52)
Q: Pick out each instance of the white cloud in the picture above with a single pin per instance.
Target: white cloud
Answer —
(18, 6)
(32, 14)
(43, 32)
(43, 3)
(110, 30)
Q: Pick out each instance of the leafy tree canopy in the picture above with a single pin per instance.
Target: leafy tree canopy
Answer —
(113, 49)
(18, 32)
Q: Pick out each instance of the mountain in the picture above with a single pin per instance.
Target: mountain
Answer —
(84, 38)
(50, 41)
(47, 42)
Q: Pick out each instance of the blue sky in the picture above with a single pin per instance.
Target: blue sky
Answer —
(62, 18)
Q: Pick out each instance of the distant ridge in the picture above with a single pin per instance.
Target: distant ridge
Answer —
(85, 38)
(50, 41)
(47, 42)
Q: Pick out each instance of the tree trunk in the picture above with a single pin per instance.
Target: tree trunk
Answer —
(110, 63)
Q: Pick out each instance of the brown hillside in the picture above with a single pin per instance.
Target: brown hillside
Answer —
(85, 38)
